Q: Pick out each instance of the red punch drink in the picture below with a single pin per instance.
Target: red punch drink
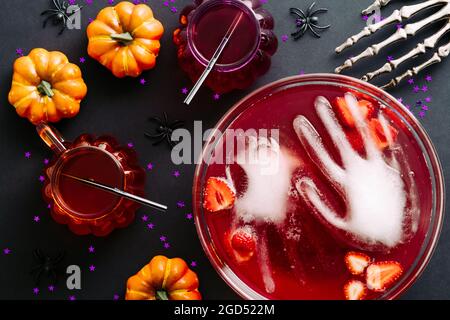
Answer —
(332, 190)
(247, 54)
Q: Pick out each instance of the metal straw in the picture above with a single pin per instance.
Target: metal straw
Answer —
(118, 192)
(214, 58)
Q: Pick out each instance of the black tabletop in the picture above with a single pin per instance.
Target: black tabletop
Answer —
(120, 107)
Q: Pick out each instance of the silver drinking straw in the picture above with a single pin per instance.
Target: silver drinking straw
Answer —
(118, 192)
(214, 58)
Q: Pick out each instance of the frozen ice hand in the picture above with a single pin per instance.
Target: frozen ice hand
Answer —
(371, 186)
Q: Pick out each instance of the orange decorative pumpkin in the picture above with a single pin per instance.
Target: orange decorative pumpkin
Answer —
(46, 87)
(164, 279)
(125, 39)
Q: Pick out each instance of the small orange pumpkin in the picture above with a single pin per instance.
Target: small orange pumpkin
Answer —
(164, 279)
(46, 87)
(125, 39)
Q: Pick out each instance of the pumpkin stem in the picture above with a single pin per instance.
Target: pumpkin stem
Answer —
(123, 38)
(45, 88)
(161, 295)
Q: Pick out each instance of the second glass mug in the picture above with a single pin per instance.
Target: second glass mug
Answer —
(84, 209)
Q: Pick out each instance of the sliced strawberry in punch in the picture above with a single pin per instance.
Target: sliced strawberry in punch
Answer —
(218, 195)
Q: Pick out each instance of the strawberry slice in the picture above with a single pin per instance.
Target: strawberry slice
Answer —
(381, 275)
(366, 108)
(355, 290)
(243, 243)
(357, 262)
(218, 195)
(378, 134)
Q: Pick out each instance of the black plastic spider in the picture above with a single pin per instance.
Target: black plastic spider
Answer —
(164, 130)
(45, 264)
(307, 21)
(58, 15)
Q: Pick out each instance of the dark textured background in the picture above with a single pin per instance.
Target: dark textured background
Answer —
(120, 107)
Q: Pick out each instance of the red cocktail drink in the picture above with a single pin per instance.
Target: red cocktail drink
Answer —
(341, 198)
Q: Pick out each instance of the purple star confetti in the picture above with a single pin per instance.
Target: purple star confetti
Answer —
(28, 154)
(390, 58)
(82, 60)
(181, 204)
(41, 178)
(116, 297)
(411, 81)
(6, 251)
(163, 238)
(216, 96)
(149, 166)
(36, 219)
(91, 268)
(72, 298)
(143, 81)
(150, 226)
(91, 249)
(425, 108)
(284, 38)
(424, 88)
(184, 91)
(19, 52)
(130, 144)
(144, 217)
(428, 78)
(46, 162)
(416, 89)
(193, 264)
(422, 114)
(51, 288)
(176, 173)
(428, 99)
(36, 291)
(189, 216)
(166, 245)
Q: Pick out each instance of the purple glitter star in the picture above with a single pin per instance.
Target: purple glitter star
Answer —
(302, 72)
(193, 264)
(6, 251)
(400, 100)
(91, 268)
(88, 1)
(181, 204)
(82, 60)
(28, 154)
(176, 174)
(189, 216)
(216, 96)
(110, 1)
(390, 58)
(150, 226)
(365, 17)
(166, 245)
(163, 238)
(424, 88)
(72, 298)
(36, 219)
(91, 249)
(428, 99)
(408, 106)
(116, 297)
(41, 178)
(422, 114)
(19, 52)
(284, 38)
(174, 10)
(425, 108)
(46, 161)
(144, 217)
(143, 81)
(71, 2)
(51, 288)
(428, 78)
(150, 166)
(184, 91)
(416, 89)
(399, 26)
(411, 81)
(130, 144)
(166, 3)
(36, 291)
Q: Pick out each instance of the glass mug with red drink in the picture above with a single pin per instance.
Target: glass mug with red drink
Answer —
(247, 55)
(331, 189)
(84, 209)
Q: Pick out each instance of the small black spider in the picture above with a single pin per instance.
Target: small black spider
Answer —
(164, 130)
(307, 21)
(58, 15)
(45, 264)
